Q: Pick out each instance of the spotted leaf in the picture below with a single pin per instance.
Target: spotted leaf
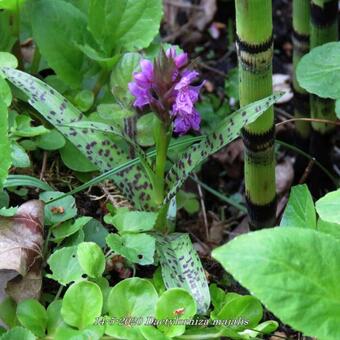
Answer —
(229, 129)
(103, 150)
(182, 268)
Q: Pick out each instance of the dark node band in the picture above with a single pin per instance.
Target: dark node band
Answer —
(302, 38)
(254, 48)
(324, 16)
(262, 216)
(258, 142)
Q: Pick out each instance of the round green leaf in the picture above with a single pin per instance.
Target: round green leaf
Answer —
(294, 272)
(54, 319)
(82, 303)
(52, 140)
(7, 59)
(17, 333)
(328, 207)
(33, 316)
(75, 160)
(69, 228)
(132, 297)
(5, 92)
(91, 259)
(65, 266)
(59, 210)
(84, 100)
(175, 303)
(319, 71)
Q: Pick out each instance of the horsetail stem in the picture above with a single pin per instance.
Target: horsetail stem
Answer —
(324, 28)
(301, 32)
(255, 52)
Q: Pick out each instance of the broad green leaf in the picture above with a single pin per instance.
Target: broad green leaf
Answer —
(175, 303)
(7, 212)
(131, 298)
(182, 268)
(228, 130)
(24, 180)
(5, 92)
(84, 100)
(25, 129)
(54, 318)
(5, 148)
(319, 71)
(60, 210)
(122, 74)
(11, 4)
(300, 211)
(91, 259)
(75, 160)
(104, 152)
(18, 333)
(82, 303)
(137, 248)
(330, 228)
(69, 228)
(33, 316)
(57, 27)
(327, 207)
(8, 312)
(64, 332)
(19, 156)
(299, 266)
(145, 130)
(65, 266)
(8, 59)
(7, 40)
(94, 231)
(127, 24)
(52, 140)
(132, 221)
(152, 333)
(265, 327)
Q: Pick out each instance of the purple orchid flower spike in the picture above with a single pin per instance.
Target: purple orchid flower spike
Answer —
(167, 87)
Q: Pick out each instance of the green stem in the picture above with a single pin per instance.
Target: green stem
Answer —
(255, 52)
(301, 35)
(324, 29)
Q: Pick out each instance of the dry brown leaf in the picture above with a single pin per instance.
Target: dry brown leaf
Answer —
(21, 242)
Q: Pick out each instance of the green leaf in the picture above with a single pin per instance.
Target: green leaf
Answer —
(188, 201)
(11, 4)
(60, 210)
(330, 228)
(8, 312)
(99, 148)
(52, 140)
(127, 24)
(65, 266)
(5, 148)
(8, 59)
(19, 156)
(69, 228)
(122, 74)
(84, 100)
(94, 231)
(91, 259)
(18, 333)
(327, 207)
(176, 303)
(33, 316)
(82, 303)
(54, 318)
(5, 92)
(319, 71)
(57, 27)
(182, 268)
(133, 297)
(137, 248)
(24, 128)
(145, 130)
(300, 211)
(299, 266)
(132, 221)
(75, 160)
(227, 131)
(24, 180)
(7, 212)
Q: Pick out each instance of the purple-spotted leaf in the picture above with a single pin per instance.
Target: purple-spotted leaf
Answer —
(102, 149)
(229, 129)
(21, 241)
(182, 268)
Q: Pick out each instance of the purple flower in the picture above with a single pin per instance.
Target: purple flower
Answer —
(167, 87)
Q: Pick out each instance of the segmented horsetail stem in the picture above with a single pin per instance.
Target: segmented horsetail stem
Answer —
(301, 32)
(324, 29)
(255, 52)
